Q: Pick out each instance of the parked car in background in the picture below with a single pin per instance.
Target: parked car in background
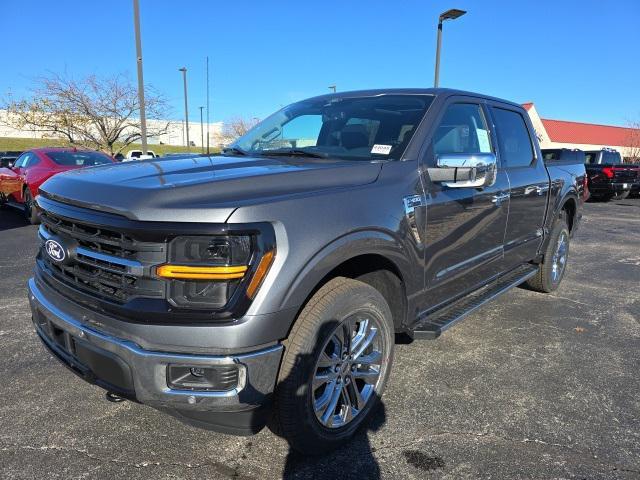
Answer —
(138, 155)
(610, 178)
(8, 158)
(266, 284)
(20, 182)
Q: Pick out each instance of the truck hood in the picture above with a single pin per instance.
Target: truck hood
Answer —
(201, 189)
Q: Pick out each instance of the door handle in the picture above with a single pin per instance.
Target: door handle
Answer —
(538, 189)
(500, 197)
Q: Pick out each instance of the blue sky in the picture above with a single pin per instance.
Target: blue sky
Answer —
(577, 60)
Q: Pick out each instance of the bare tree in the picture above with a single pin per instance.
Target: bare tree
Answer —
(236, 127)
(98, 112)
(633, 141)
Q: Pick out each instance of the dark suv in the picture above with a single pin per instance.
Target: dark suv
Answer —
(266, 284)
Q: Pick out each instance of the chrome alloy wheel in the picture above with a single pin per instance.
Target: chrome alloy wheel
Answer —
(348, 370)
(559, 260)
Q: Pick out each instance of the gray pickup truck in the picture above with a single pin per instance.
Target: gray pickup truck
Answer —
(267, 285)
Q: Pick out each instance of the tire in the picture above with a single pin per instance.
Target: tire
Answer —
(306, 380)
(30, 213)
(621, 195)
(548, 278)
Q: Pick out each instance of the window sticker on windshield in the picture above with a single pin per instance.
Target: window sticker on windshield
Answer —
(483, 140)
(381, 149)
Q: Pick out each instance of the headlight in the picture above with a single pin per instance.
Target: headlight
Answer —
(204, 272)
(211, 251)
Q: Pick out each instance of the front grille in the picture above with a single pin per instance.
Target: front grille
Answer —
(92, 279)
(95, 238)
(106, 264)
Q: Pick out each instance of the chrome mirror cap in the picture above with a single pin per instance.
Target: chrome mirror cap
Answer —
(460, 170)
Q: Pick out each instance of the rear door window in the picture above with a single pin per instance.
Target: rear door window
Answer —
(514, 141)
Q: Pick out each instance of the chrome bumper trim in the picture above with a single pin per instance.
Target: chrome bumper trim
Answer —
(256, 369)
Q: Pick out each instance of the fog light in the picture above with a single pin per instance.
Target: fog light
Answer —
(203, 378)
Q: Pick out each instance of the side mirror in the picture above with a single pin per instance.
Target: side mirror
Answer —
(459, 170)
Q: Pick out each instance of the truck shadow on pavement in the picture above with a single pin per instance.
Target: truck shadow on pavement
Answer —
(355, 460)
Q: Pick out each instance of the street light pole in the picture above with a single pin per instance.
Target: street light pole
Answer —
(332, 87)
(448, 15)
(208, 136)
(186, 108)
(201, 131)
(143, 116)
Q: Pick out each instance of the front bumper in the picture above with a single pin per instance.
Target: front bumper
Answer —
(122, 366)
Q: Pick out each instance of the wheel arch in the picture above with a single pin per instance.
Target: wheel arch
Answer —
(569, 205)
(374, 257)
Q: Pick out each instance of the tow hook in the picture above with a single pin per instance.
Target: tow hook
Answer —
(112, 397)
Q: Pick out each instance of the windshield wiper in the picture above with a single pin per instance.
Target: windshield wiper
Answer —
(294, 152)
(234, 151)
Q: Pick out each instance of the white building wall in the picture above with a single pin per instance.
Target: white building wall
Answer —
(175, 135)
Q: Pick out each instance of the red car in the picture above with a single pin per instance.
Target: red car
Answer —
(19, 183)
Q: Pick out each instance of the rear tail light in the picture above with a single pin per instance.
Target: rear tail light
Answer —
(608, 172)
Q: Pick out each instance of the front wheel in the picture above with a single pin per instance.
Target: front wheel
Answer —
(30, 211)
(551, 270)
(335, 366)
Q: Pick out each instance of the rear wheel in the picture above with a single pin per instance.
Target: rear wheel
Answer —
(30, 211)
(551, 270)
(335, 366)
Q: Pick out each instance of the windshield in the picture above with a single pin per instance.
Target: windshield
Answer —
(356, 128)
(81, 159)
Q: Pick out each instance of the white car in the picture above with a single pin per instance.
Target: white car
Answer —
(137, 155)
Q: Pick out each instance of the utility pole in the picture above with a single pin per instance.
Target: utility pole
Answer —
(143, 116)
(201, 131)
(208, 153)
(186, 108)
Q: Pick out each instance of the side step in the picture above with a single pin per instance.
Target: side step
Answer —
(435, 323)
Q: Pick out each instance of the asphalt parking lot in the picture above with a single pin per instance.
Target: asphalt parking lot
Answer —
(529, 386)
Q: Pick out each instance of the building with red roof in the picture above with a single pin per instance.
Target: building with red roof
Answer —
(585, 136)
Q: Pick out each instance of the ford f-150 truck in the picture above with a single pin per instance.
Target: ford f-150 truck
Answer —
(266, 285)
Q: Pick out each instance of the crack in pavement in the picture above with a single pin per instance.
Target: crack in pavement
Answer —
(220, 468)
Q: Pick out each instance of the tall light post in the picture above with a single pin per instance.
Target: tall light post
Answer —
(332, 87)
(201, 131)
(208, 123)
(186, 108)
(448, 15)
(143, 116)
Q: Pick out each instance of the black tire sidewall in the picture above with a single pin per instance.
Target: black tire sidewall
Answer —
(310, 435)
(30, 212)
(559, 227)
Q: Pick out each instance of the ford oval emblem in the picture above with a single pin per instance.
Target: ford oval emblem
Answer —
(55, 250)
